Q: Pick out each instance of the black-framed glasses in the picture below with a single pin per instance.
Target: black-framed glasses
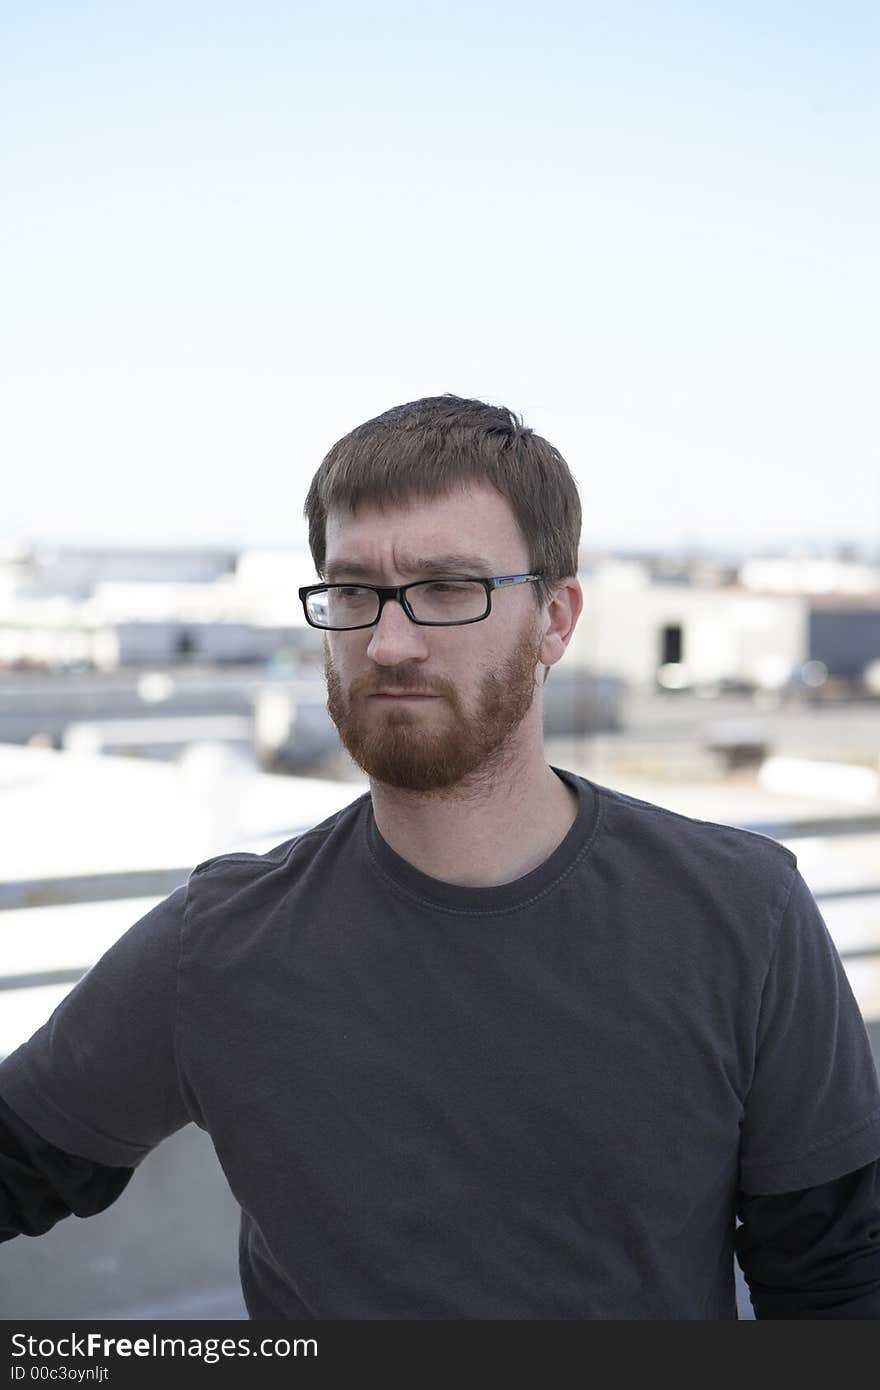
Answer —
(428, 602)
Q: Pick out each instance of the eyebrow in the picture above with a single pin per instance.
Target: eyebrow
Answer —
(453, 563)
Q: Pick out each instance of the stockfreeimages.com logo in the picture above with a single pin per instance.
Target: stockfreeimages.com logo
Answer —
(208, 1349)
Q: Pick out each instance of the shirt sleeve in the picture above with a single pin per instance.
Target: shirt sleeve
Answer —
(40, 1184)
(814, 1253)
(100, 1078)
(812, 1112)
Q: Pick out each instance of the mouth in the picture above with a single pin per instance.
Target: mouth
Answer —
(401, 695)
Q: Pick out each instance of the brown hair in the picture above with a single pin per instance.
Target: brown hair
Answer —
(428, 448)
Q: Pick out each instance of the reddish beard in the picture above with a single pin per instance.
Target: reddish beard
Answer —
(397, 746)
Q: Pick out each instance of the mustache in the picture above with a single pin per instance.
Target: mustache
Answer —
(401, 679)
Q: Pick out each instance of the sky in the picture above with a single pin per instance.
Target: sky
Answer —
(231, 232)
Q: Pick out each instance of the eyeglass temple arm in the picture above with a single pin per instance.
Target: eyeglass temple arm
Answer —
(504, 579)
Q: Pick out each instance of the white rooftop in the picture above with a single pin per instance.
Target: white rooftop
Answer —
(79, 813)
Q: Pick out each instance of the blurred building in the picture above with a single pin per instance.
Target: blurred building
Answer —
(92, 657)
(711, 633)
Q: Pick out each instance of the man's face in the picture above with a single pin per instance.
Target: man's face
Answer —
(425, 709)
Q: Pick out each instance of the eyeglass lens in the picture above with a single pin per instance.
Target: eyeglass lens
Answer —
(432, 601)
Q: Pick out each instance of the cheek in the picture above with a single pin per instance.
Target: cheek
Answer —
(343, 654)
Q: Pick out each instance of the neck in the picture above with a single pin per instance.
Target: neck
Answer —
(492, 830)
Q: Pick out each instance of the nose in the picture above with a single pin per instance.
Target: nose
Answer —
(395, 639)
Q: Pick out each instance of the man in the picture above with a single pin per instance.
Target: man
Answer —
(493, 1041)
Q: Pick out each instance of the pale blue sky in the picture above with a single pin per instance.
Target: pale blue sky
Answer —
(230, 232)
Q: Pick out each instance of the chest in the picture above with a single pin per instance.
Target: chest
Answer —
(442, 1063)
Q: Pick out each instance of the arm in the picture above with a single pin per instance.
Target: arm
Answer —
(40, 1184)
(814, 1253)
(809, 1180)
(102, 1079)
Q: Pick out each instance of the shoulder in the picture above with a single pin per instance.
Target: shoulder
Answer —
(214, 879)
(687, 870)
(644, 824)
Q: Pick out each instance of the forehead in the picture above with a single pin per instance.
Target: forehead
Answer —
(476, 520)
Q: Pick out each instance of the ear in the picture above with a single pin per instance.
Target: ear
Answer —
(560, 618)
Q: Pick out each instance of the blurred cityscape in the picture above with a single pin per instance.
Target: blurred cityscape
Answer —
(161, 705)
